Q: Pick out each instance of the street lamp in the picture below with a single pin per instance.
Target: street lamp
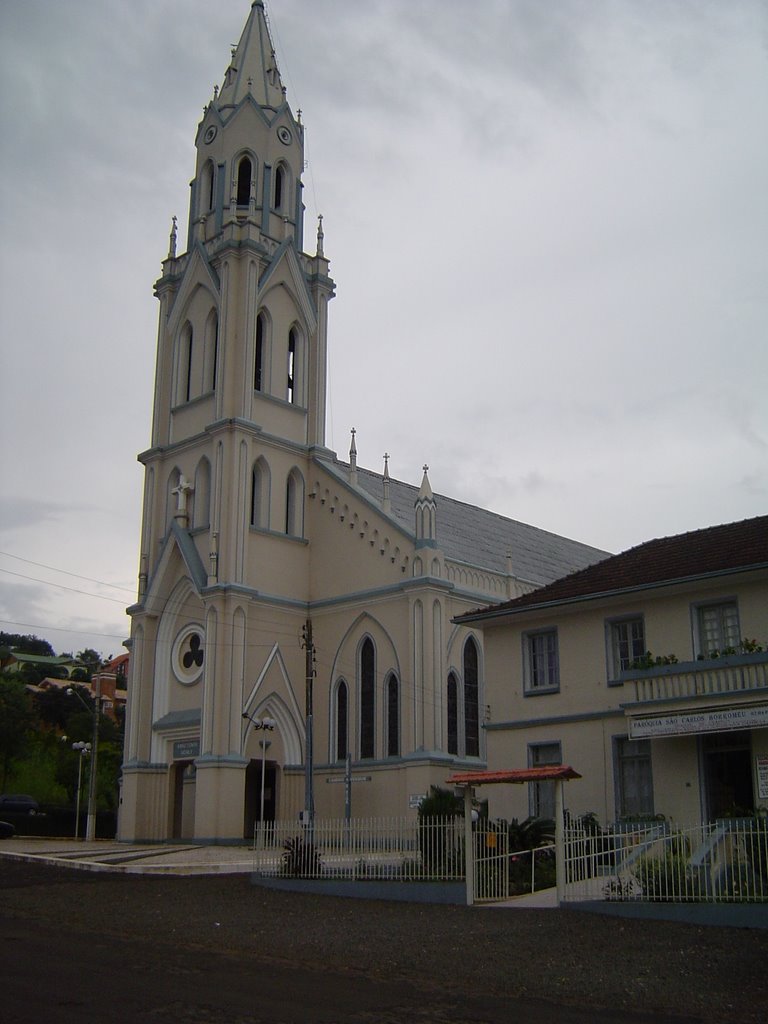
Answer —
(84, 750)
(90, 828)
(262, 723)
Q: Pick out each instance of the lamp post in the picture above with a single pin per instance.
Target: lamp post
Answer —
(83, 750)
(262, 723)
(90, 828)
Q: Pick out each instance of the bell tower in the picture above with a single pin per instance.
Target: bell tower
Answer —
(239, 411)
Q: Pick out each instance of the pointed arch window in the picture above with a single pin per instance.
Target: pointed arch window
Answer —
(206, 187)
(186, 352)
(202, 494)
(260, 479)
(471, 700)
(342, 720)
(292, 348)
(393, 716)
(258, 365)
(367, 699)
(280, 188)
(244, 175)
(294, 504)
(453, 714)
(211, 349)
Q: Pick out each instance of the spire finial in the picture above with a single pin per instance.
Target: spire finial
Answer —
(386, 502)
(298, 116)
(172, 240)
(320, 235)
(216, 92)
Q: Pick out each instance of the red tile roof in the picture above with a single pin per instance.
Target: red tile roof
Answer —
(717, 549)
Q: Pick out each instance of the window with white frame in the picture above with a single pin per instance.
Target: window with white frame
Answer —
(541, 795)
(626, 643)
(718, 627)
(634, 781)
(542, 669)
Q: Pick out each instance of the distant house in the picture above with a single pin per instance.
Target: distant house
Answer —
(56, 662)
(648, 672)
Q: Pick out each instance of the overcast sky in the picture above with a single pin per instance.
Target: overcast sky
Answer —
(548, 225)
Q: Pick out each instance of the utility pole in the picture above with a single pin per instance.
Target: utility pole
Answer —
(309, 796)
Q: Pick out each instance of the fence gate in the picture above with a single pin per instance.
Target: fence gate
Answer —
(491, 865)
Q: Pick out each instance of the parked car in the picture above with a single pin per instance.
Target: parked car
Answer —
(18, 803)
(6, 830)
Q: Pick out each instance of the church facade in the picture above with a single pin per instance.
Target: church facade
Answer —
(278, 582)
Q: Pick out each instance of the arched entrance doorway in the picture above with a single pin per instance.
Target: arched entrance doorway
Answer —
(253, 795)
(183, 800)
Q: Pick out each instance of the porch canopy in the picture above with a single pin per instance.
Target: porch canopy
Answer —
(543, 773)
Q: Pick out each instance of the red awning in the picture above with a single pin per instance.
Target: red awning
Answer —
(514, 775)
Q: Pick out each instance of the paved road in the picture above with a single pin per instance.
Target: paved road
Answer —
(52, 975)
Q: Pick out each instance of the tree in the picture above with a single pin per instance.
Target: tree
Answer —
(16, 722)
(90, 658)
(27, 644)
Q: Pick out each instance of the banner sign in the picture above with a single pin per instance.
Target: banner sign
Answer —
(761, 763)
(684, 723)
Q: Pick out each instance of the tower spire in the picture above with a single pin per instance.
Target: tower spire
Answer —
(253, 68)
(353, 459)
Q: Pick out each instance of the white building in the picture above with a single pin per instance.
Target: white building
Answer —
(647, 673)
(257, 542)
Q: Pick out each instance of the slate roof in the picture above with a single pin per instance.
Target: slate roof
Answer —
(716, 549)
(466, 533)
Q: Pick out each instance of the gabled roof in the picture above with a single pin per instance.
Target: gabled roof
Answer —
(715, 550)
(477, 537)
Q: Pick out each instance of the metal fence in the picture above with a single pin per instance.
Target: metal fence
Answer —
(397, 849)
(726, 861)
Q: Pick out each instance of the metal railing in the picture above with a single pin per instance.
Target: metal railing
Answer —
(685, 680)
(397, 849)
(726, 861)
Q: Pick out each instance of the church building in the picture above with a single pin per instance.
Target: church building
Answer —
(280, 585)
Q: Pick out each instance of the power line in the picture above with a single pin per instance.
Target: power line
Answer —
(72, 590)
(65, 572)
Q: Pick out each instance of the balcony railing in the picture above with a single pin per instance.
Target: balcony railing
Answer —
(708, 678)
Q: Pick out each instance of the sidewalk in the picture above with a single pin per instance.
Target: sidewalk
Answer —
(149, 859)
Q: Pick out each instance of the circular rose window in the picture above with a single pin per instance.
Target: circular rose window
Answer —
(188, 654)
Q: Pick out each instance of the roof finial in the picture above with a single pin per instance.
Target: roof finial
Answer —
(320, 235)
(386, 502)
(298, 116)
(216, 92)
(353, 459)
(172, 240)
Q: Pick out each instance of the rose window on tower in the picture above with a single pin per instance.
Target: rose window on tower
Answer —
(189, 654)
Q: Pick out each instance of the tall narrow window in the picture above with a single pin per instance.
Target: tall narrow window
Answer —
(634, 781)
(202, 494)
(542, 667)
(292, 365)
(260, 494)
(206, 188)
(258, 368)
(294, 504)
(393, 717)
(342, 710)
(541, 795)
(244, 182)
(185, 364)
(367, 692)
(211, 350)
(453, 714)
(279, 186)
(627, 643)
(471, 700)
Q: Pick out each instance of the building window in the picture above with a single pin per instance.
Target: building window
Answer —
(453, 714)
(294, 504)
(393, 717)
(186, 353)
(542, 669)
(634, 782)
(718, 628)
(342, 711)
(202, 494)
(292, 365)
(260, 495)
(258, 368)
(279, 186)
(244, 182)
(367, 692)
(471, 700)
(541, 795)
(626, 643)
(206, 187)
(211, 349)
